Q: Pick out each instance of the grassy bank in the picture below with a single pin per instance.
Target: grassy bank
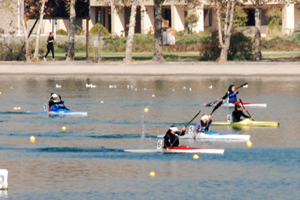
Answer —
(178, 56)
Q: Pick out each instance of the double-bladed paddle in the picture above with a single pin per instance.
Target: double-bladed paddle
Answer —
(213, 102)
(246, 110)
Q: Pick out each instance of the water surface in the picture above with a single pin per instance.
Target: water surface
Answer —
(87, 160)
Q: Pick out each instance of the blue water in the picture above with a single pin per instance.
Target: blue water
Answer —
(87, 160)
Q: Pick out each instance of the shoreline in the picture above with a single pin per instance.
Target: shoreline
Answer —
(149, 68)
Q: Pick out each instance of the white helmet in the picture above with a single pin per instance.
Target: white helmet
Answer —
(173, 128)
(54, 95)
(204, 117)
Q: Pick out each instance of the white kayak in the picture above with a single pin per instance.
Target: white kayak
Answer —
(60, 112)
(212, 135)
(179, 149)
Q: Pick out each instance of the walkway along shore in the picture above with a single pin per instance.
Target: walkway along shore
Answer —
(152, 68)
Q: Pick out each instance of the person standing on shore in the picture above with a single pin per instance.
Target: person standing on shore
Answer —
(50, 46)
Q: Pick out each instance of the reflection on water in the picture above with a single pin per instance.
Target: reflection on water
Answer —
(87, 159)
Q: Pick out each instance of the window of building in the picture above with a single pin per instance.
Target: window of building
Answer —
(207, 17)
(166, 15)
(264, 18)
(251, 17)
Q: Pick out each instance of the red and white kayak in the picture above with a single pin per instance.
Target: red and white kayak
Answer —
(179, 149)
(246, 104)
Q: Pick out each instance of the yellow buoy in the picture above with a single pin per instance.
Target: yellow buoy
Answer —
(152, 174)
(249, 143)
(64, 128)
(196, 156)
(0, 92)
(15, 108)
(153, 95)
(102, 101)
(19, 108)
(32, 139)
(146, 109)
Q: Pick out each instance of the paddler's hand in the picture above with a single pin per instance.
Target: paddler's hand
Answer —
(183, 128)
(167, 150)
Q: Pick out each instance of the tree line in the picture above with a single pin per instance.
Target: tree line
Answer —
(225, 11)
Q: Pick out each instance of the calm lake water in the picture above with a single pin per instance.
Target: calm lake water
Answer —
(87, 160)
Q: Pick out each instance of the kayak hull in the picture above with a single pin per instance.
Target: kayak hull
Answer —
(246, 104)
(247, 122)
(212, 135)
(59, 112)
(179, 149)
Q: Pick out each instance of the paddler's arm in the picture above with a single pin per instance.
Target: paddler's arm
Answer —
(244, 115)
(196, 129)
(183, 131)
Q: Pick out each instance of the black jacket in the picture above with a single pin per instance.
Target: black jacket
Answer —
(236, 115)
(170, 139)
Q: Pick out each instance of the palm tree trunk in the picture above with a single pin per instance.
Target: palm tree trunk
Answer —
(27, 56)
(37, 42)
(257, 55)
(158, 46)
(71, 50)
(130, 37)
(227, 31)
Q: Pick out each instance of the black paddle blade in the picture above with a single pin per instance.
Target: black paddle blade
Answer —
(211, 103)
(216, 107)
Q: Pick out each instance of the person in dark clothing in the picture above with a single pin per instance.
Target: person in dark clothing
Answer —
(50, 46)
(238, 113)
(202, 125)
(55, 105)
(171, 138)
(231, 94)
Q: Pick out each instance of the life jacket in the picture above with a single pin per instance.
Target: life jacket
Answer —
(232, 97)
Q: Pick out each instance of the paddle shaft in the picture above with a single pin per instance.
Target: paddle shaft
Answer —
(246, 109)
(193, 118)
(62, 103)
(216, 107)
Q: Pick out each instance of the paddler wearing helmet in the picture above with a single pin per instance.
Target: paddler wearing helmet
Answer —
(238, 113)
(54, 104)
(171, 138)
(202, 125)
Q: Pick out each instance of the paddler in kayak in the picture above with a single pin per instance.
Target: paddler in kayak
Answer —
(202, 125)
(171, 138)
(231, 94)
(238, 113)
(54, 104)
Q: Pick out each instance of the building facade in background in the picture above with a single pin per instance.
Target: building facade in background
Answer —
(116, 18)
